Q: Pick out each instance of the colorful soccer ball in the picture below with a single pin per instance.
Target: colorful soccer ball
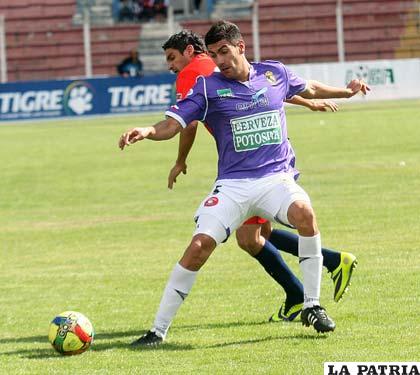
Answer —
(71, 333)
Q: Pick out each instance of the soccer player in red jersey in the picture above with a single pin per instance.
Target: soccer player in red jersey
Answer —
(186, 56)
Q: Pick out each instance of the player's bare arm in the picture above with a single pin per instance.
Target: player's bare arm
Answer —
(314, 104)
(318, 90)
(186, 140)
(163, 130)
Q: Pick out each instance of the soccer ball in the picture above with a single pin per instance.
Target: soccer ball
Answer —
(71, 333)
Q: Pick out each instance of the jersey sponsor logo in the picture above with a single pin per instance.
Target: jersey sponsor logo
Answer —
(260, 102)
(259, 93)
(269, 75)
(225, 93)
(210, 202)
(252, 132)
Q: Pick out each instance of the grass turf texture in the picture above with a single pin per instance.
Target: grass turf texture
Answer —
(86, 227)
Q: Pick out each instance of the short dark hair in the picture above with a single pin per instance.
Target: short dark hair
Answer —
(223, 30)
(181, 40)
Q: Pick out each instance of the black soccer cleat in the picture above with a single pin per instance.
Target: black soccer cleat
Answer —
(318, 318)
(149, 339)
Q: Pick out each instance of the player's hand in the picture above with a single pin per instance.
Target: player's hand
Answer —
(176, 170)
(324, 105)
(132, 136)
(358, 85)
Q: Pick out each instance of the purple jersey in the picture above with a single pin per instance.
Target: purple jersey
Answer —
(247, 119)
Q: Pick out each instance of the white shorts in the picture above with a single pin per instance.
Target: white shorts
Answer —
(231, 202)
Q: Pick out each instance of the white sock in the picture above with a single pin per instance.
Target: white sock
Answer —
(310, 262)
(179, 285)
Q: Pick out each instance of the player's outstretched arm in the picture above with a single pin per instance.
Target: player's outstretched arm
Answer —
(318, 90)
(313, 104)
(161, 131)
(186, 140)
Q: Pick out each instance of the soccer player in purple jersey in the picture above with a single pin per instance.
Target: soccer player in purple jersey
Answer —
(243, 106)
(185, 55)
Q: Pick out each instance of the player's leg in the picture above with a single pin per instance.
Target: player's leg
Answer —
(249, 238)
(339, 264)
(288, 242)
(301, 215)
(182, 279)
(279, 198)
(266, 229)
(215, 218)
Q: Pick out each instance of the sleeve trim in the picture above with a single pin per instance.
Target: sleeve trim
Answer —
(177, 118)
(205, 95)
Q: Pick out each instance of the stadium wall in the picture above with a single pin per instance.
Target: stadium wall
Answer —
(388, 79)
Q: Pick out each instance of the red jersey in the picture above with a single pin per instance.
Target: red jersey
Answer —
(200, 65)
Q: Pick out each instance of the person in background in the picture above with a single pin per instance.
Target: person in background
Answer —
(147, 13)
(197, 5)
(126, 11)
(161, 10)
(131, 66)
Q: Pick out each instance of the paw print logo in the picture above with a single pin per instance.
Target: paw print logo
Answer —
(80, 100)
(363, 72)
(360, 72)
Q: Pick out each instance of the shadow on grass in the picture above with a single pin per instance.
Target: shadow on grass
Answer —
(114, 335)
(263, 339)
(48, 353)
(186, 347)
(43, 339)
(230, 325)
(102, 342)
(24, 339)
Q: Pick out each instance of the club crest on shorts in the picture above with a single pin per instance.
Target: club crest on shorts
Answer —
(270, 77)
(212, 201)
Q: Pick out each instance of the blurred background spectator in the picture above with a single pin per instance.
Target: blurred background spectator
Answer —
(142, 10)
(147, 10)
(126, 11)
(197, 6)
(131, 66)
(160, 9)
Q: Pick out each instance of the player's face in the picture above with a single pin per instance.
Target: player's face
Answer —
(176, 60)
(229, 58)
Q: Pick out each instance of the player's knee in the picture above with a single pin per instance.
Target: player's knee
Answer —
(243, 242)
(266, 230)
(302, 216)
(198, 252)
(248, 243)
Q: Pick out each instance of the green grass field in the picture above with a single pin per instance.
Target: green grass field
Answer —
(86, 227)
